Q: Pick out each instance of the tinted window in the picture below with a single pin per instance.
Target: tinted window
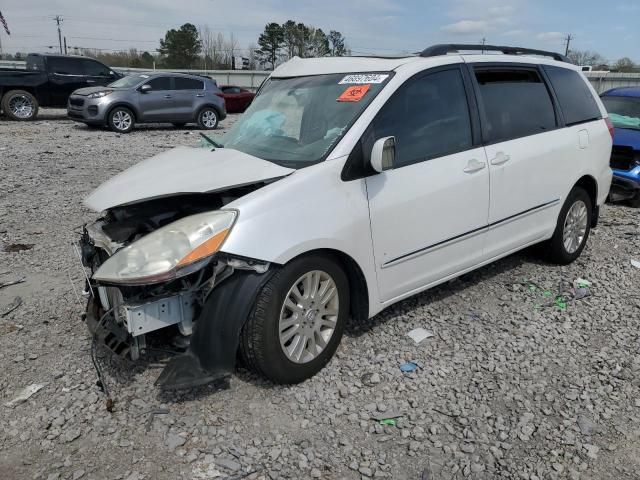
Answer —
(429, 117)
(575, 98)
(95, 69)
(182, 83)
(160, 83)
(516, 103)
(65, 66)
(231, 90)
(35, 62)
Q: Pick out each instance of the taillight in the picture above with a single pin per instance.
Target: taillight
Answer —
(609, 126)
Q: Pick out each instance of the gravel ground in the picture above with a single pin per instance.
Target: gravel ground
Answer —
(511, 385)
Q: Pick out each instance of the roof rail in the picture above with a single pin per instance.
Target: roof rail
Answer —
(445, 48)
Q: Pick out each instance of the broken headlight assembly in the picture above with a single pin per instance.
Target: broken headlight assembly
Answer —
(172, 251)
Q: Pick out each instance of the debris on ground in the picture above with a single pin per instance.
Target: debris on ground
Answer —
(25, 394)
(17, 301)
(388, 415)
(635, 263)
(419, 334)
(12, 282)
(17, 247)
(409, 367)
(152, 414)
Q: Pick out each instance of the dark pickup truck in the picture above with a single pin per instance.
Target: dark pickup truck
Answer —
(48, 81)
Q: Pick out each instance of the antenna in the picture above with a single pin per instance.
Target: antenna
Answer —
(58, 20)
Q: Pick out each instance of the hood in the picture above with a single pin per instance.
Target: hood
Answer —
(183, 170)
(626, 137)
(89, 90)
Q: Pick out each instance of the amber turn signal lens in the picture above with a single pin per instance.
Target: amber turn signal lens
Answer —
(205, 249)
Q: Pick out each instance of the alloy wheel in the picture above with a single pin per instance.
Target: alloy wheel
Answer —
(308, 316)
(575, 227)
(122, 120)
(209, 118)
(21, 106)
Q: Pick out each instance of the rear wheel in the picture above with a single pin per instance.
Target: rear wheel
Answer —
(121, 120)
(208, 118)
(297, 321)
(572, 229)
(20, 105)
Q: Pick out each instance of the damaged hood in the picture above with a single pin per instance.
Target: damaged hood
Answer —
(183, 170)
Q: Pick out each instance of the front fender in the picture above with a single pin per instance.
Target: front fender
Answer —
(211, 355)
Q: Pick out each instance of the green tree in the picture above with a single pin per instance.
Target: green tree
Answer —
(337, 44)
(270, 43)
(180, 48)
(146, 59)
(290, 37)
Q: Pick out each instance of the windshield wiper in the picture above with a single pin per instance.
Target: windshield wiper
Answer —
(211, 141)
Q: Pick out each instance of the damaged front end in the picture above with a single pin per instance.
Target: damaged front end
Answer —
(156, 275)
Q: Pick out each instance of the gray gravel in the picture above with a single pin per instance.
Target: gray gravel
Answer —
(508, 387)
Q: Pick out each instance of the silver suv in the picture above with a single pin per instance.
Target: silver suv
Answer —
(149, 98)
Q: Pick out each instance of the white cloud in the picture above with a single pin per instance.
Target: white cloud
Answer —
(550, 36)
(467, 27)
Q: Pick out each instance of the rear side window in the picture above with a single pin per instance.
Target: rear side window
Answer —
(65, 66)
(160, 83)
(182, 83)
(428, 116)
(575, 99)
(516, 104)
(95, 69)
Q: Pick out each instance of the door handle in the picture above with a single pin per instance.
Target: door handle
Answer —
(91, 81)
(500, 158)
(474, 165)
(200, 95)
(167, 96)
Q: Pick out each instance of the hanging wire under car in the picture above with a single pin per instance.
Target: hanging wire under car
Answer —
(102, 384)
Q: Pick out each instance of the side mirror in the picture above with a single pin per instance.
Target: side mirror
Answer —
(383, 154)
(145, 88)
(112, 73)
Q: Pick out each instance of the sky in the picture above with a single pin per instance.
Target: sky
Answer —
(370, 26)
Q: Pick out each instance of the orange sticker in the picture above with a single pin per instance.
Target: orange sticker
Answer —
(354, 94)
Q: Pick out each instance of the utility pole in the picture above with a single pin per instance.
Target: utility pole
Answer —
(65, 45)
(483, 42)
(58, 20)
(567, 39)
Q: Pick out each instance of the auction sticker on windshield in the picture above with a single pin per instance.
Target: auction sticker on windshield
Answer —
(354, 94)
(364, 78)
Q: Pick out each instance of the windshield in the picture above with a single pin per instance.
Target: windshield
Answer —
(624, 112)
(295, 122)
(128, 81)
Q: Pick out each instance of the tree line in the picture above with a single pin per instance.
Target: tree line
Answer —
(598, 62)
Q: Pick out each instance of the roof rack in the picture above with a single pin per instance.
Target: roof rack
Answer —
(446, 48)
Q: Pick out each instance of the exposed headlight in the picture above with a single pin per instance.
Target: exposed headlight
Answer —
(104, 93)
(170, 252)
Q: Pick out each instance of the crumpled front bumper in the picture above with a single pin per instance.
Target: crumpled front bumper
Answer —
(213, 346)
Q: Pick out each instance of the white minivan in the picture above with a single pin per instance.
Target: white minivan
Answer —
(349, 184)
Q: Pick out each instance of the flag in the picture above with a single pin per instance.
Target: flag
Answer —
(4, 24)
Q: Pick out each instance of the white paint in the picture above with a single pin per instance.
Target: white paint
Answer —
(183, 170)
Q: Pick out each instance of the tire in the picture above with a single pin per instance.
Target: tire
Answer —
(565, 250)
(121, 120)
(179, 125)
(260, 343)
(20, 105)
(208, 118)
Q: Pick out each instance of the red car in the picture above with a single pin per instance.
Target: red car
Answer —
(237, 99)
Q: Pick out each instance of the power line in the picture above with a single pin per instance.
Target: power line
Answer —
(115, 39)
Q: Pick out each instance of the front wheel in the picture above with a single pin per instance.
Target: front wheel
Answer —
(121, 120)
(572, 229)
(208, 118)
(20, 105)
(297, 321)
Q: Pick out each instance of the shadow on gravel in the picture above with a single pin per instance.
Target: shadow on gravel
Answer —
(448, 289)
